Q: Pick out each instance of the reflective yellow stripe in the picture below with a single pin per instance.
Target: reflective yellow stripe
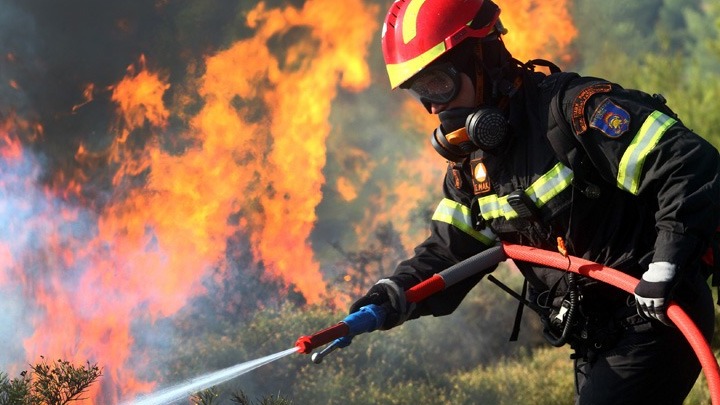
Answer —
(400, 72)
(631, 164)
(492, 206)
(550, 184)
(453, 213)
(409, 22)
(544, 189)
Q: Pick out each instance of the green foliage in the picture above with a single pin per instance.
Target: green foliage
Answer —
(57, 383)
(204, 397)
(210, 397)
(672, 50)
(242, 399)
(614, 32)
(540, 377)
(14, 391)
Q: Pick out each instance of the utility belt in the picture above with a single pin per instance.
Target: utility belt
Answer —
(586, 315)
(592, 330)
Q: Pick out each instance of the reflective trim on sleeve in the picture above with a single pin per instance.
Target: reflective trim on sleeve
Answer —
(631, 164)
(544, 189)
(459, 216)
(550, 184)
(492, 206)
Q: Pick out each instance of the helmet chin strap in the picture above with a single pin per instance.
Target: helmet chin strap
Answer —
(479, 75)
(497, 64)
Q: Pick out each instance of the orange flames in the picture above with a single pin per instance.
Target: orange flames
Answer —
(538, 29)
(250, 160)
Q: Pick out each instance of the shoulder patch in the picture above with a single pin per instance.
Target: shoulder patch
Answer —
(578, 108)
(457, 178)
(611, 119)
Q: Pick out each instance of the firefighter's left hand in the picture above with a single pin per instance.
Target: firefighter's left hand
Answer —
(388, 294)
(652, 294)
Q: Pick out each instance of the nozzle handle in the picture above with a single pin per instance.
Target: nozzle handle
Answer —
(371, 317)
(318, 357)
(366, 319)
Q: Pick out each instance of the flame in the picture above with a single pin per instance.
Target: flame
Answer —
(139, 97)
(289, 150)
(10, 146)
(538, 29)
(87, 96)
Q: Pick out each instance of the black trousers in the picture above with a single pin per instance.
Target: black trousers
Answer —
(650, 363)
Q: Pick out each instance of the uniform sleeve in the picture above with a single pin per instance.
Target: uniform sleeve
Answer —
(639, 144)
(452, 239)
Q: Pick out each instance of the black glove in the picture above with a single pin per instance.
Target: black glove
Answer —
(652, 294)
(387, 294)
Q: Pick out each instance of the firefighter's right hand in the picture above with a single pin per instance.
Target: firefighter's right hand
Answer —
(387, 294)
(653, 292)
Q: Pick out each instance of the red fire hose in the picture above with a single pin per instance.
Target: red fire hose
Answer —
(493, 256)
(627, 283)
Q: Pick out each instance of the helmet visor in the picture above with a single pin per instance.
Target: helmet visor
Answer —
(436, 84)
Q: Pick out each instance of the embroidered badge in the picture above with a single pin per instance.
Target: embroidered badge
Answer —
(578, 108)
(611, 119)
(481, 183)
(457, 178)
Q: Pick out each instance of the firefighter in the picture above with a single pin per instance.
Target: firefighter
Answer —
(535, 158)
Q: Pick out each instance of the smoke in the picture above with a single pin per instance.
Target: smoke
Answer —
(15, 214)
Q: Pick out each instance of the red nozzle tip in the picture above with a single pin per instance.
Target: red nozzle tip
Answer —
(304, 344)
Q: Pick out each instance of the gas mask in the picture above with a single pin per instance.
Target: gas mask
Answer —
(462, 131)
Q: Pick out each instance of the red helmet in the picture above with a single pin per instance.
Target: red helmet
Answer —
(416, 32)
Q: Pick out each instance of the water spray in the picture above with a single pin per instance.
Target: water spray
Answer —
(191, 386)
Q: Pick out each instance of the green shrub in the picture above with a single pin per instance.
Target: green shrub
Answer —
(541, 377)
(56, 383)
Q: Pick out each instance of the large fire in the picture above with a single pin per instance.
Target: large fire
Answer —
(249, 157)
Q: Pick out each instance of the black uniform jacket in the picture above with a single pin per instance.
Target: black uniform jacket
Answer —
(656, 189)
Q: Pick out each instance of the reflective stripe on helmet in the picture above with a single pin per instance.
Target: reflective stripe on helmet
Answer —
(631, 163)
(400, 72)
(548, 186)
(453, 213)
(409, 21)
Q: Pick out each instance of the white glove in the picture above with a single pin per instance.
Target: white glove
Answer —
(652, 294)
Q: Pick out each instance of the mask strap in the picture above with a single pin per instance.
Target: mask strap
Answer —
(506, 99)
